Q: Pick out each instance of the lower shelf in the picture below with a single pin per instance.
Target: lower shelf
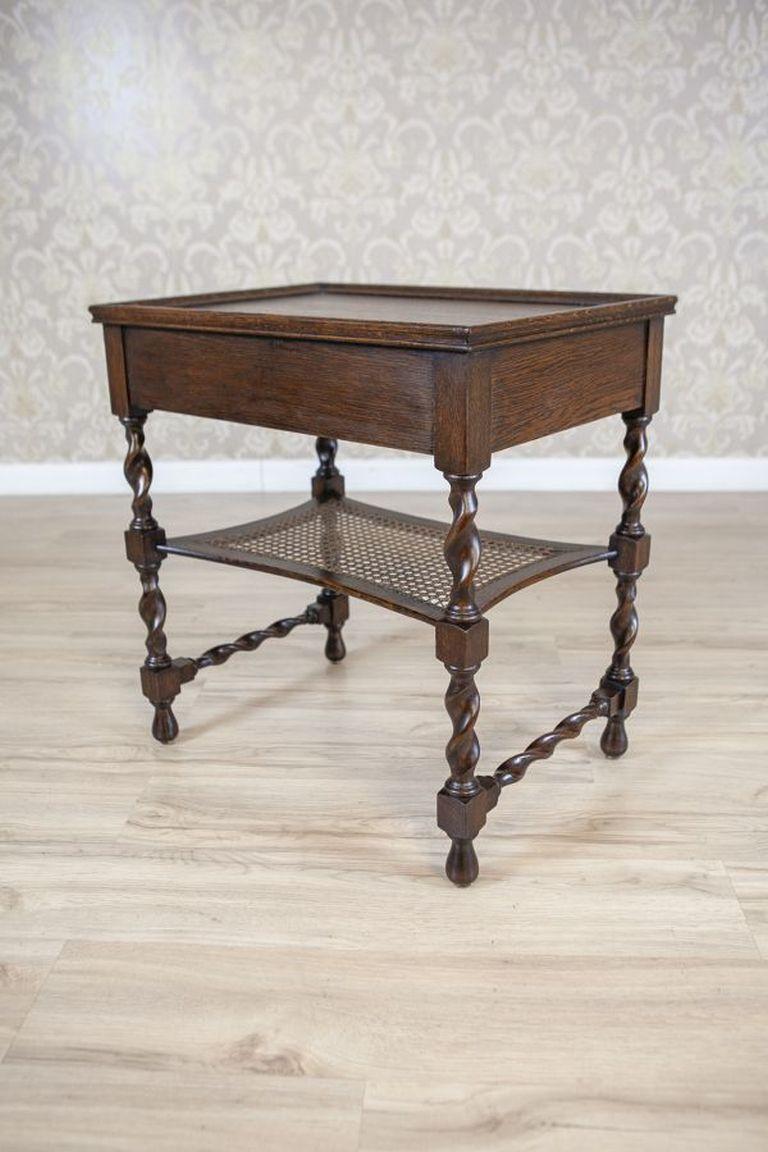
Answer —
(382, 556)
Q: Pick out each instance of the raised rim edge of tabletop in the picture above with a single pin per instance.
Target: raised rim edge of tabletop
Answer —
(591, 310)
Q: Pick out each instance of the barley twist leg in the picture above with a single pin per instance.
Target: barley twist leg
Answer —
(159, 678)
(328, 484)
(462, 703)
(632, 544)
(462, 644)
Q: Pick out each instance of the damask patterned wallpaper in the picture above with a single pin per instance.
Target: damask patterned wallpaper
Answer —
(150, 147)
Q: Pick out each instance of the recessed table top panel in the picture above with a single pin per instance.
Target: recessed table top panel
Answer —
(392, 309)
(450, 319)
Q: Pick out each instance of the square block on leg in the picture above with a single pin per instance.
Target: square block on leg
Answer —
(632, 553)
(332, 610)
(622, 698)
(141, 548)
(460, 646)
(462, 817)
(327, 487)
(161, 684)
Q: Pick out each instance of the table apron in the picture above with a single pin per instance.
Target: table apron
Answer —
(459, 407)
(382, 396)
(544, 386)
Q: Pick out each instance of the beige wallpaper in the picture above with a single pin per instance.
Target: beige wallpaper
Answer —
(150, 147)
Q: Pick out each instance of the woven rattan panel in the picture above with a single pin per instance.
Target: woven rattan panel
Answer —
(366, 543)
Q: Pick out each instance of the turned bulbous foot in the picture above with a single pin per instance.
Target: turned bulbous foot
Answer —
(335, 648)
(164, 725)
(613, 741)
(461, 866)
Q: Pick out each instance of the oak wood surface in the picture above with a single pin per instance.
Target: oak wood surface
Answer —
(372, 365)
(652, 395)
(298, 386)
(537, 389)
(463, 413)
(245, 934)
(405, 309)
(458, 319)
(116, 371)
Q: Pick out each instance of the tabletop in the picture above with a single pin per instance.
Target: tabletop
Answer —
(456, 319)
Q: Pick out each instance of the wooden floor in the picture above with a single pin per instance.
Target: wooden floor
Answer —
(246, 941)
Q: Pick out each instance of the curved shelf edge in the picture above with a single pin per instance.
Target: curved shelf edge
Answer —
(388, 558)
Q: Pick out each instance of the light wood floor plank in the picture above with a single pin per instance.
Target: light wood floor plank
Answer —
(25, 962)
(546, 1021)
(297, 889)
(750, 883)
(230, 939)
(409, 1116)
(113, 1108)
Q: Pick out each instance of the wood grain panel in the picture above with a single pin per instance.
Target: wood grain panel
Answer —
(462, 412)
(653, 365)
(377, 396)
(118, 383)
(542, 387)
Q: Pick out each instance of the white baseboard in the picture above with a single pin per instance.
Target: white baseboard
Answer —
(376, 474)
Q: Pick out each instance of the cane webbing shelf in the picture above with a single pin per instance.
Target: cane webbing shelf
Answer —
(387, 557)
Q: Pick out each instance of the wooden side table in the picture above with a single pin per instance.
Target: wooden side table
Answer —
(456, 374)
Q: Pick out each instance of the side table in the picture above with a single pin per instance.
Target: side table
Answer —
(455, 374)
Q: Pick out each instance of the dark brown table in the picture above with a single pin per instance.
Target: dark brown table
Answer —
(455, 374)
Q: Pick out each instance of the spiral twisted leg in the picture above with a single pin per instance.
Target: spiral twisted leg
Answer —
(462, 702)
(328, 484)
(632, 550)
(160, 680)
(462, 549)
(462, 644)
